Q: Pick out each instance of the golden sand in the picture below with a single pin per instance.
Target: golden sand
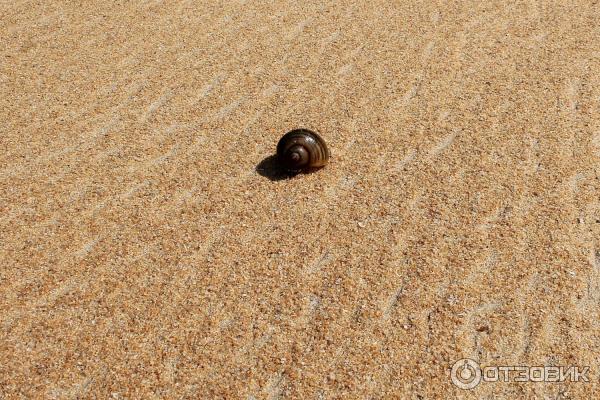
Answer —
(144, 256)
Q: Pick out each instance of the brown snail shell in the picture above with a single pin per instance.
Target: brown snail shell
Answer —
(301, 150)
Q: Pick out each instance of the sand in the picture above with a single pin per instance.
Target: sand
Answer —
(144, 256)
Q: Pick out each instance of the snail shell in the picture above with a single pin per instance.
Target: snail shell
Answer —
(302, 149)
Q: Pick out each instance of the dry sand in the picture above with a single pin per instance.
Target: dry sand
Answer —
(143, 256)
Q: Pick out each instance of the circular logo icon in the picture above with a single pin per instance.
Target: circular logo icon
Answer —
(465, 374)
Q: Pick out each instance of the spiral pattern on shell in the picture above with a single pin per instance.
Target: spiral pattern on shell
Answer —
(302, 149)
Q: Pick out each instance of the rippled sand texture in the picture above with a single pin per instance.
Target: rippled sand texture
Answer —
(144, 256)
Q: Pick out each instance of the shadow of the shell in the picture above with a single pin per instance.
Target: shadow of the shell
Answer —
(272, 169)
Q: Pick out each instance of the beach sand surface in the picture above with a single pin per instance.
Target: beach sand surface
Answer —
(148, 250)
